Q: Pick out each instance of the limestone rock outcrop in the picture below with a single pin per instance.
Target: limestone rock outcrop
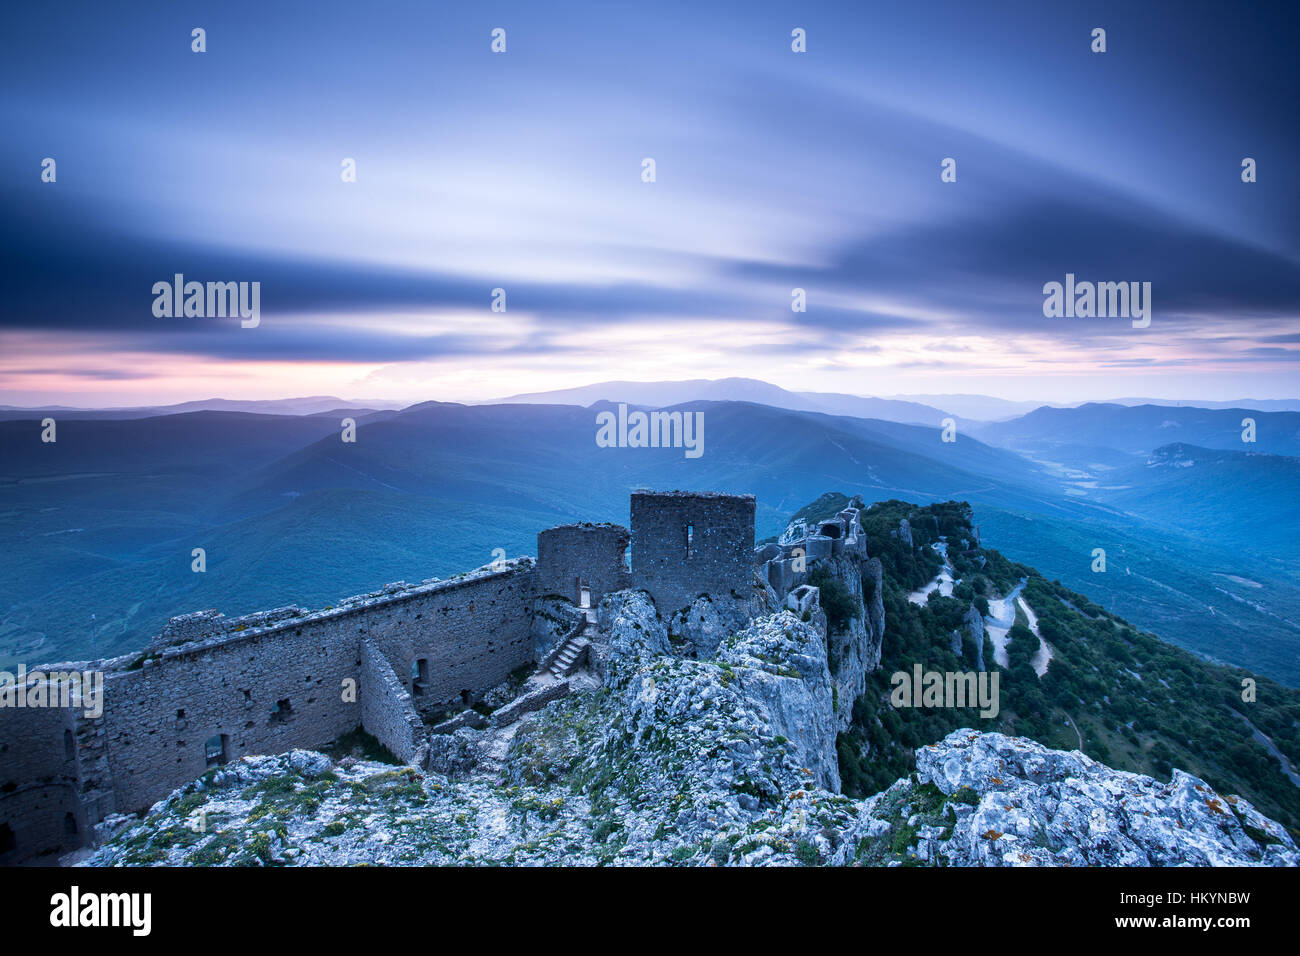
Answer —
(853, 651)
(700, 628)
(780, 662)
(1023, 804)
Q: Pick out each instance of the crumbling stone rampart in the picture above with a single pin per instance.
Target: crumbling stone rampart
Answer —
(209, 689)
(574, 557)
(685, 544)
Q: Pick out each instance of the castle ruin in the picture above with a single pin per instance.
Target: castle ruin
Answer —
(686, 544)
(210, 689)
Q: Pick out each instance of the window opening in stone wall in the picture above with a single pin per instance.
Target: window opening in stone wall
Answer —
(584, 594)
(282, 711)
(215, 750)
(419, 675)
(69, 745)
(690, 538)
(69, 825)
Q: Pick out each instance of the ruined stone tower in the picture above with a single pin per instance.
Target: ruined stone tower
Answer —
(685, 544)
(582, 562)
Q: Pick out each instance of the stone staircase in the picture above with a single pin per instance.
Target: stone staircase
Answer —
(571, 656)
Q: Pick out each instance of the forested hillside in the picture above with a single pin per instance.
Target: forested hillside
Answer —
(1121, 695)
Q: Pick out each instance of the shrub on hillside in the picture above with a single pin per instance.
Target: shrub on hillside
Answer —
(836, 601)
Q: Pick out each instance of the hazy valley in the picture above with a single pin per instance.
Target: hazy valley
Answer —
(100, 525)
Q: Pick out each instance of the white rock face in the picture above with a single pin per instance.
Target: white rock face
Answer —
(781, 663)
(1047, 807)
(855, 651)
(701, 627)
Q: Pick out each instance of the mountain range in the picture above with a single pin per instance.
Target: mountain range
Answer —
(917, 409)
(100, 525)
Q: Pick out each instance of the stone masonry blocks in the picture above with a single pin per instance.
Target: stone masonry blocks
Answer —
(685, 544)
(573, 555)
(386, 710)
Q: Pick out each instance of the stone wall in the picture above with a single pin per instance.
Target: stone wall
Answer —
(39, 783)
(284, 685)
(686, 544)
(470, 633)
(533, 700)
(386, 709)
(576, 554)
(784, 566)
(268, 692)
(263, 683)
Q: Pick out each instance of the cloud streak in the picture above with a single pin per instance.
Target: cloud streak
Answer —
(776, 171)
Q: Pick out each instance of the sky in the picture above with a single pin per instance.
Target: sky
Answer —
(523, 171)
